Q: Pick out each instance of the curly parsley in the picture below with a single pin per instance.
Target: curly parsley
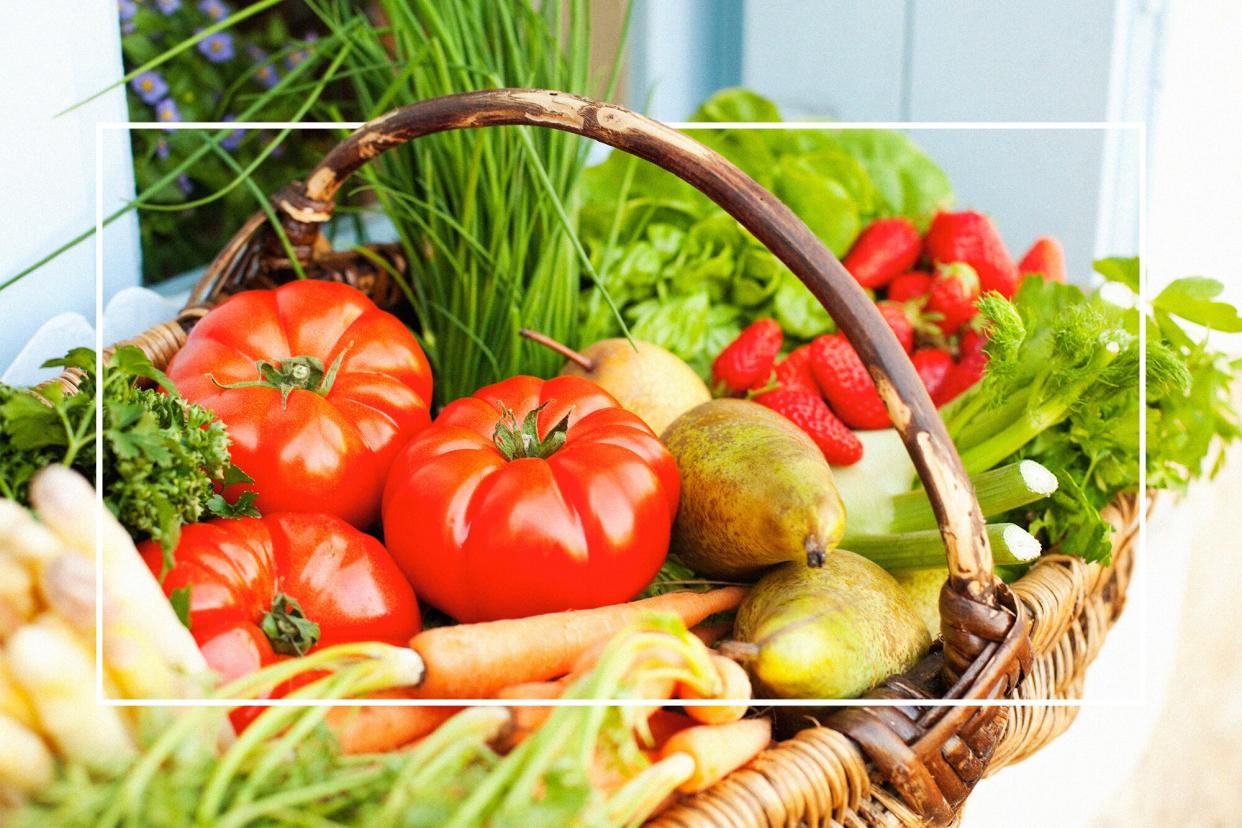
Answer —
(163, 458)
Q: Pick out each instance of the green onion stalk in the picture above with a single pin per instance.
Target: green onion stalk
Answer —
(488, 218)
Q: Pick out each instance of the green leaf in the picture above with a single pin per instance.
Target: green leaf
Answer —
(1192, 298)
(821, 201)
(907, 182)
(242, 507)
(130, 361)
(80, 358)
(180, 600)
(31, 424)
(233, 475)
(737, 105)
(1120, 269)
(798, 311)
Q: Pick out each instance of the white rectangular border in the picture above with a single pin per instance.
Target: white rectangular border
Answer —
(902, 126)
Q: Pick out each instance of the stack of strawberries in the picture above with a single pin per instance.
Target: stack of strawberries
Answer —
(926, 289)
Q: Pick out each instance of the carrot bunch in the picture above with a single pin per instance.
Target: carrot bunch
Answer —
(628, 759)
(619, 763)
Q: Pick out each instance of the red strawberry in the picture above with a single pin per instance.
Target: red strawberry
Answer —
(793, 373)
(933, 366)
(971, 343)
(909, 285)
(746, 362)
(968, 371)
(887, 248)
(953, 294)
(809, 412)
(895, 315)
(971, 238)
(845, 382)
(1046, 256)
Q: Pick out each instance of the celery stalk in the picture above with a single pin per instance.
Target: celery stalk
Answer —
(1011, 544)
(998, 491)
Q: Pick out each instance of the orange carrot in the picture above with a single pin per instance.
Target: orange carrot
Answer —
(476, 660)
(709, 634)
(735, 685)
(379, 729)
(528, 719)
(664, 723)
(718, 750)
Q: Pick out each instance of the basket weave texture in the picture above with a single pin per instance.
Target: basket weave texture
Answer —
(908, 764)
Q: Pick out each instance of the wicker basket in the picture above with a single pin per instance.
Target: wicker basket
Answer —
(866, 765)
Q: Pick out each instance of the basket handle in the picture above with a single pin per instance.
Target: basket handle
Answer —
(772, 223)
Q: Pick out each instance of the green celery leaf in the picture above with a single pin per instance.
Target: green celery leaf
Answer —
(1192, 298)
(1120, 269)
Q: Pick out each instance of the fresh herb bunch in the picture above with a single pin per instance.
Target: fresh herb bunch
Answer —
(688, 277)
(487, 217)
(163, 458)
(211, 82)
(1062, 388)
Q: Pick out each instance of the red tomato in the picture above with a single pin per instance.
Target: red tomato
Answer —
(494, 517)
(344, 585)
(318, 388)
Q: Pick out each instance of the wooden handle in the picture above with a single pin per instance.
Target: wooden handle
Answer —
(760, 212)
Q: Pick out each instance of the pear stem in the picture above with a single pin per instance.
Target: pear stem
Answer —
(564, 350)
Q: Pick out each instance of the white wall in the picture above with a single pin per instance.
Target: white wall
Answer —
(977, 60)
(54, 53)
(1195, 190)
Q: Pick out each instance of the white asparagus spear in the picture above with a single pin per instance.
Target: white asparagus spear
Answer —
(24, 538)
(146, 647)
(25, 761)
(57, 673)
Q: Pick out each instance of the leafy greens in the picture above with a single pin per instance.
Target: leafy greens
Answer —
(1063, 388)
(162, 457)
(688, 277)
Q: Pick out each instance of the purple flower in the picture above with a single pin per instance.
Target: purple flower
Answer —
(168, 6)
(150, 86)
(126, 9)
(214, 9)
(183, 182)
(296, 57)
(267, 76)
(161, 148)
(217, 47)
(128, 27)
(231, 141)
(166, 111)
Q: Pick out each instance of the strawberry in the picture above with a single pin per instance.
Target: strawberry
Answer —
(971, 238)
(910, 285)
(969, 368)
(1046, 256)
(933, 366)
(746, 363)
(806, 410)
(793, 373)
(953, 293)
(971, 342)
(895, 315)
(887, 248)
(845, 382)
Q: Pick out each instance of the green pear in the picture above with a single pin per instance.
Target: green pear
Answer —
(831, 632)
(922, 587)
(755, 491)
(646, 379)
